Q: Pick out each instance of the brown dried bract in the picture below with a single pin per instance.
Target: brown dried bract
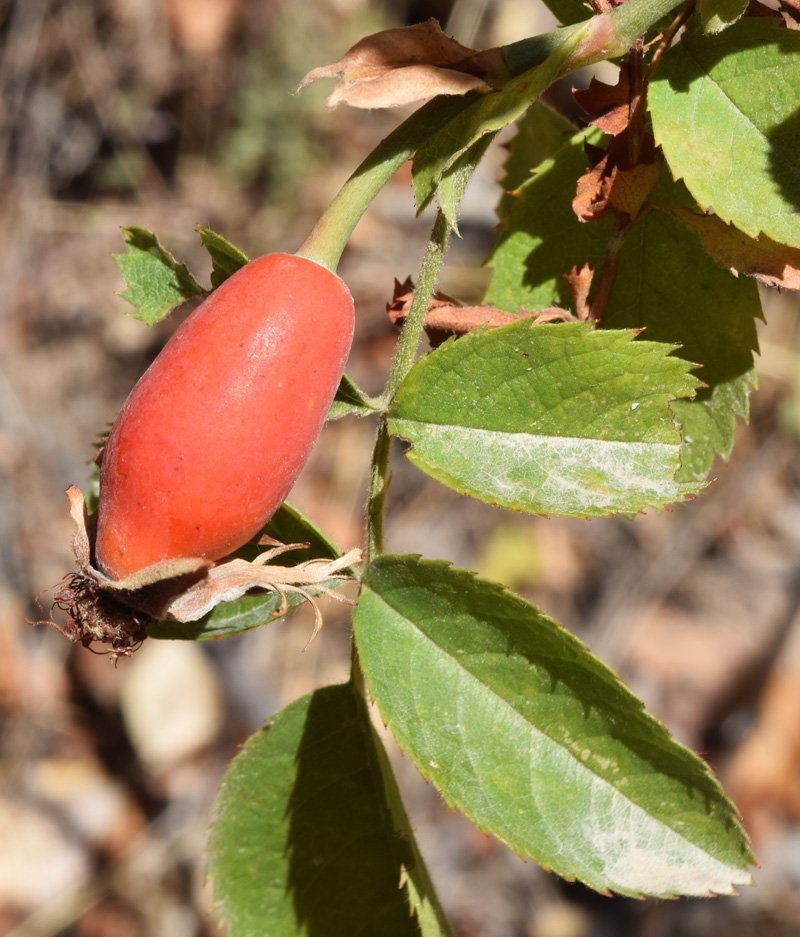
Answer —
(404, 65)
(580, 282)
(116, 613)
(607, 105)
(448, 317)
(614, 182)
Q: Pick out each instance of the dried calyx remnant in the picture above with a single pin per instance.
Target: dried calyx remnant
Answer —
(116, 613)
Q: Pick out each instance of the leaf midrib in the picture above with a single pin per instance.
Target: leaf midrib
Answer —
(579, 764)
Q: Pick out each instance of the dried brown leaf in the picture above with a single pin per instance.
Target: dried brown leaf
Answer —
(607, 105)
(772, 263)
(231, 579)
(404, 65)
(580, 282)
(448, 317)
(614, 182)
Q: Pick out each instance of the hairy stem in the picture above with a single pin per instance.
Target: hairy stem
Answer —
(403, 360)
(412, 329)
(376, 496)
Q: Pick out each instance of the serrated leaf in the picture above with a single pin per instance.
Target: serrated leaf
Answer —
(486, 115)
(303, 840)
(350, 399)
(668, 284)
(225, 257)
(156, 283)
(716, 15)
(770, 263)
(288, 525)
(548, 419)
(665, 283)
(725, 112)
(708, 423)
(536, 740)
(540, 134)
(540, 239)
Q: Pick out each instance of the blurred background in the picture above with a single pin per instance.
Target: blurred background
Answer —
(172, 113)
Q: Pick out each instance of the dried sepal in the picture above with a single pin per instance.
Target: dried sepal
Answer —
(116, 613)
(404, 65)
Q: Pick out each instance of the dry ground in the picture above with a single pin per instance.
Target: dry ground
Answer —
(169, 113)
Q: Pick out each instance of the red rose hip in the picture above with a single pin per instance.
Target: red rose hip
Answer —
(214, 434)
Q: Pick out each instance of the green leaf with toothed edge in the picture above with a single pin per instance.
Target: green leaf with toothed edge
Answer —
(536, 740)
(549, 419)
(666, 284)
(288, 525)
(540, 134)
(455, 180)
(725, 112)
(155, 282)
(226, 258)
(309, 840)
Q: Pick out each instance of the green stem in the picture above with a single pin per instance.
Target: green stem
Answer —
(376, 495)
(403, 360)
(412, 329)
(329, 236)
(609, 36)
(605, 36)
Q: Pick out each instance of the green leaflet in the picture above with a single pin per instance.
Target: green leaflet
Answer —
(665, 283)
(536, 741)
(539, 238)
(716, 15)
(725, 111)
(668, 285)
(540, 134)
(306, 839)
(454, 181)
(350, 399)
(548, 419)
(155, 282)
(226, 258)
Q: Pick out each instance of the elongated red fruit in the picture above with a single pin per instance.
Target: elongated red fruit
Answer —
(213, 436)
